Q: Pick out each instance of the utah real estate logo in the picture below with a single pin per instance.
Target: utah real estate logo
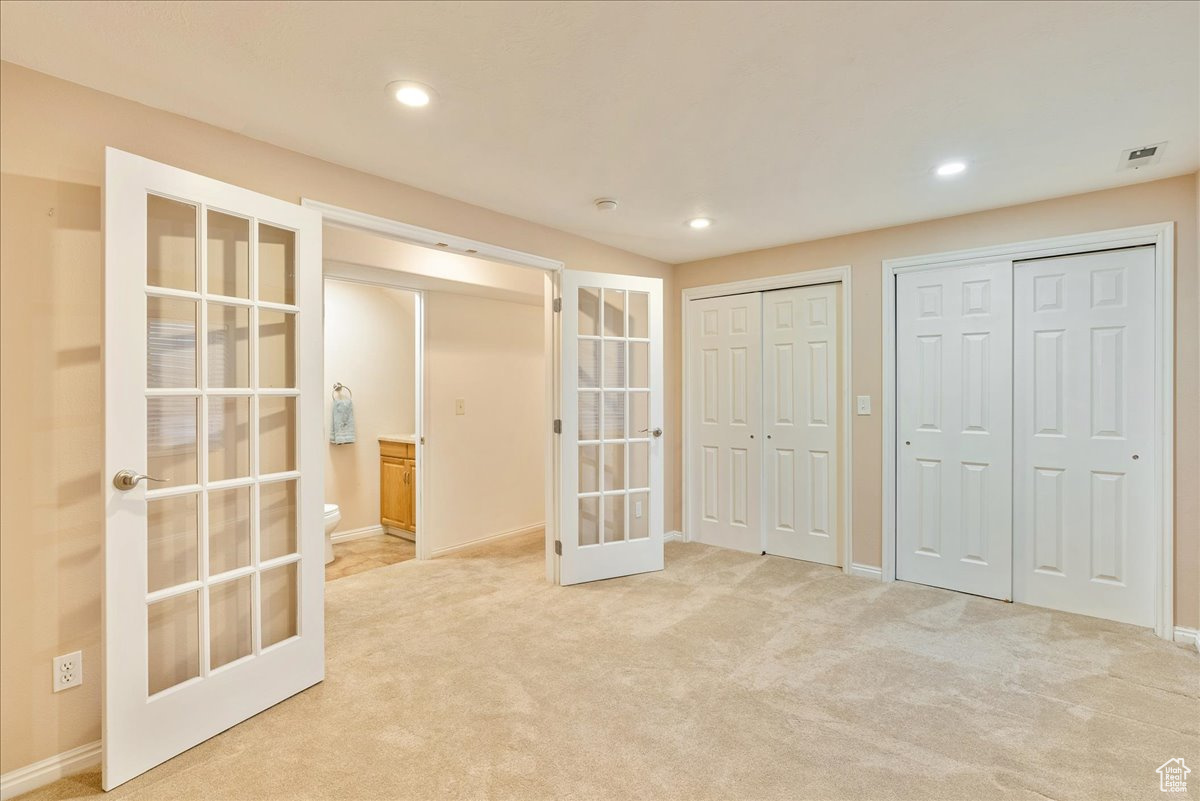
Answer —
(1172, 776)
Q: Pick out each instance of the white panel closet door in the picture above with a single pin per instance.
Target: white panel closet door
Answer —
(725, 388)
(801, 355)
(954, 427)
(1084, 434)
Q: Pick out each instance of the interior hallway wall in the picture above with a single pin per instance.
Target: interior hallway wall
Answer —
(485, 472)
(1172, 199)
(370, 346)
(52, 139)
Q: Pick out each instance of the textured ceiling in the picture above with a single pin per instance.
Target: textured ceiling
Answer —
(784, 122)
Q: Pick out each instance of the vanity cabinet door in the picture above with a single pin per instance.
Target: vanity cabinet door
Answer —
(393, 492)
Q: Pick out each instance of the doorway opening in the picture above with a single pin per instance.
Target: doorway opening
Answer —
(449, 449)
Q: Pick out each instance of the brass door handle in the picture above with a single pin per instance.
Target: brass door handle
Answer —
(128, 479)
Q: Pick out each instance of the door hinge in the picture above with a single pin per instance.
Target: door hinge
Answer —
(557, 304)
(558, 426)
(558, 547)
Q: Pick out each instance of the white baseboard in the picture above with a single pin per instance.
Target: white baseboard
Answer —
(22, 780)
(865, 571)
(1186, 635)
(673, 536)
(516, 532)
(355, 534)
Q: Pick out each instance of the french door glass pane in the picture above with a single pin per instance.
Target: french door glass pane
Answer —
(170, 243)
(228, 438)
(589, 311)
(228, 255)
(228, 529)
(589, 468)
(639, 515)
(614, 364)
(173, 633)
(614, 312)
(614, 415)
(589, 520)
(639, 364)
(279, 589)
(172, 544)
(171, 343)
(589, 415)
(614, 466)
(276, 265)
(276, 434)
(278, 516)
(614, 518)
(228, 345)
(171, 440)
(639, 465)
(589, 362)
(276, 349)
(639, 414)
(639, 315)
(230, 616)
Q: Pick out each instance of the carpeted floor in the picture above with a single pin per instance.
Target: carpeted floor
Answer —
(725, 676)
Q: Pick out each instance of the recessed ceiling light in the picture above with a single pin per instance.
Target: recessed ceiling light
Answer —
(951, 168)
(410, 93)
(699, 222)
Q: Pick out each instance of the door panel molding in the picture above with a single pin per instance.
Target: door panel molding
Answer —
(1162, 237)
(691, 484)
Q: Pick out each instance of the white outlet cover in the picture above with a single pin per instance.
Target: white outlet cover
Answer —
(864, 404)
(68, 671)
(460, 406)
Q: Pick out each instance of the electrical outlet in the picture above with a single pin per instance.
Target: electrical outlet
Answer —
(864, 404)
(68, 671)
(460, 406)
(637, 508)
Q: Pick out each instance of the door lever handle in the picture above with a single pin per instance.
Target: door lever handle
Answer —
(128, 479)
(656, 432)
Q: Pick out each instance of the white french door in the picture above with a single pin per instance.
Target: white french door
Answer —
(1084, 434)
(954, 428)
(611, 459)
(214, 576)
(801, 403)
(725, 385)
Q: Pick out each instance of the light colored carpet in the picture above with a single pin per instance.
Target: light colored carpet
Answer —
(725, 676)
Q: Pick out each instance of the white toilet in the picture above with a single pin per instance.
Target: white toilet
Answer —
(333, 516)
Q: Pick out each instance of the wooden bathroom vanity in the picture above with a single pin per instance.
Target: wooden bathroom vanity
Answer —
(398, 486)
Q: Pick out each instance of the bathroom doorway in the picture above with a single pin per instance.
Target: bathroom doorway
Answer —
(441, 360)
(371, 358)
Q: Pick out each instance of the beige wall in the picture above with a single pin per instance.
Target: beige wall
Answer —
(52, 139)
(485, 470)
(1173, 199)
(370, 346)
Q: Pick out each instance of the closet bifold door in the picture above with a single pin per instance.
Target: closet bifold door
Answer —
(954, 428)
(1084, 434)
(725, 386)
(801, 403)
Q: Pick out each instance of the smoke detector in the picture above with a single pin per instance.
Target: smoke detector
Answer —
(1137, 157)
(606, 203)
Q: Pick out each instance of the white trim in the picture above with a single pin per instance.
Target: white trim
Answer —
(827, 275)
(1185, 635)
(673, 536)
(427, 237)
(865, 571)
(355, 534)
(1162, 236)
(22, 780)
(500, 535)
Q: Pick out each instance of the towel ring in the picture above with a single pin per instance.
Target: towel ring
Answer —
(340, 386)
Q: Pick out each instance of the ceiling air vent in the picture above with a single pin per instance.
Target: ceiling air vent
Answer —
(1138, 157)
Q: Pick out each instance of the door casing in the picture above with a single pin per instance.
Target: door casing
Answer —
(689, 485)
(1162, 236)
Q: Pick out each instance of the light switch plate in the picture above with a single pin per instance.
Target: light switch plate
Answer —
(864, 404)
(460, 406)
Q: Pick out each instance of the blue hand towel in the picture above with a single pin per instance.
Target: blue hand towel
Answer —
(341, 426)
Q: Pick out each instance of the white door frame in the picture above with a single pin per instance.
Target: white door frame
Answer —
(436, 240)
(829, 275)
(1162, 236)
